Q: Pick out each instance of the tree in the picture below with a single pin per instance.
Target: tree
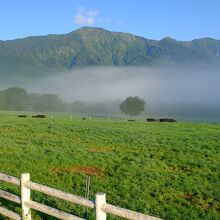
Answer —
(15, 99)
(78, 106)
(48, 103)
(132, 106)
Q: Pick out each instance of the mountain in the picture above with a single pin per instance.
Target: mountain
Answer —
(34, 56)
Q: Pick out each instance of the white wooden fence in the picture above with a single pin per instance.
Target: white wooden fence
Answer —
(101, 207)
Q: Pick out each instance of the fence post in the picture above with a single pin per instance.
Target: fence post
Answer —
(25, 197)
(100, 199)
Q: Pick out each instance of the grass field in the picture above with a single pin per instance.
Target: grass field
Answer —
(166, 170)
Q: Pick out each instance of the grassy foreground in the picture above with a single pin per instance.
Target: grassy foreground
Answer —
(166, 170)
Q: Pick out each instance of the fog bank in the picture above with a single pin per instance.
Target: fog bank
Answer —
(155, 85)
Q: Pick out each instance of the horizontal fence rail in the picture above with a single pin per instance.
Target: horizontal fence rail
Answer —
(10, 196)
(10, 214)
(51, 211)
(101, 207)
(59, 194)
(10, 179)
(125, 213)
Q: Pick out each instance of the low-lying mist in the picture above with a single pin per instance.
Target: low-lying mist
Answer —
(195, 85)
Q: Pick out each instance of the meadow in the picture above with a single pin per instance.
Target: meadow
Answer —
(168, 170)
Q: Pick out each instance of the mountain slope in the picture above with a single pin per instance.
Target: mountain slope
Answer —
(98, 47)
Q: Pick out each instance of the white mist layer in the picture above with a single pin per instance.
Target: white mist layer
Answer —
(152, 84)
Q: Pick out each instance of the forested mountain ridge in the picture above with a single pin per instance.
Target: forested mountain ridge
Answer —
(98, 47)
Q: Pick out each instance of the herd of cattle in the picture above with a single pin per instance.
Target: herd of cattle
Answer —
(148, 119)
(161, 120)
(33, 116)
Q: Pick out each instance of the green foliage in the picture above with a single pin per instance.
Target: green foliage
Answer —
(37, 56)
(166, 170)
(17, 99)
(132, 106)
(14, 99)
(78, 107)
(48, 103)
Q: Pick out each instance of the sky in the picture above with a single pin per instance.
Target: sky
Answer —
(153, 19)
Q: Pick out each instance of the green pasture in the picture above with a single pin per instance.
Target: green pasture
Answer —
(168, 170)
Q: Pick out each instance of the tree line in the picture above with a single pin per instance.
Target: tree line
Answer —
(18, 99)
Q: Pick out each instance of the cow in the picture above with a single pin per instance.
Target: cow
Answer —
(151, 119)
(38, 116)
(167, 120)
(22, 116)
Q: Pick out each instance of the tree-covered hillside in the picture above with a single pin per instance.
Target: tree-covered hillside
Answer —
(98, 47)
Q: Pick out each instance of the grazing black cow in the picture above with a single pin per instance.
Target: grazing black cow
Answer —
(83, 118)
(151, 119)
(167, 120)
(22, 116)
(38, 116)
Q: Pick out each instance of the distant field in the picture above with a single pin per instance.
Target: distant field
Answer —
(166, 170)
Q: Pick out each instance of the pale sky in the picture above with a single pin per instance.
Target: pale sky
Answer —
(153, 19)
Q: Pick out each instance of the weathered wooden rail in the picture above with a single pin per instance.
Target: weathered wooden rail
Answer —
(101, 207)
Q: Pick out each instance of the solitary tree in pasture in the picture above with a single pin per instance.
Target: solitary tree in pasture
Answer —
(132, 106)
